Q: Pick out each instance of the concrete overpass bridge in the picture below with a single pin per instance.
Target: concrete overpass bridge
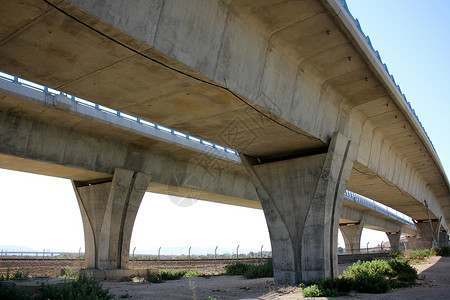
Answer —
(295, 87)
(25, 97)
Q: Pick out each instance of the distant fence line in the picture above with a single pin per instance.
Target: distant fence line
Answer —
(46, 254)
(189, 256)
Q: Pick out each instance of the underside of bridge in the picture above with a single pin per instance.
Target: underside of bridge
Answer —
(274, 80)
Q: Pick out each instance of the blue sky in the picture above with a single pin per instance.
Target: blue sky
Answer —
(412, 37)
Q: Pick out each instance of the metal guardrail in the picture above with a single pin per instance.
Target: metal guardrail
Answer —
(358, 25)
(376, 206)
(89, 104)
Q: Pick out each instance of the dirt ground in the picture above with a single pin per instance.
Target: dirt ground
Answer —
(433, 283)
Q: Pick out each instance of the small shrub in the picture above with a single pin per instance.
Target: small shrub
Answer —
(376, 276)
(20, 275)
(163, 275)
(236, 269)
(396, 254)
(194, 273)
(250, 271)
(342, 285)
(80, 289)
(259, 271)
(371, 283)
(6, 276)
(443, 251)
(329, 287)
(403, 271)
(10, 292)
(68, 273)
(125, 296)
(311, 291)
(421, 254)
(370, 268)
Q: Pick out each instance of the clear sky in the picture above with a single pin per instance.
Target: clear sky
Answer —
(412, 36)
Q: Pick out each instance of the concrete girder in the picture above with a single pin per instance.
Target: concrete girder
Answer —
(302, 199)
(108, 211)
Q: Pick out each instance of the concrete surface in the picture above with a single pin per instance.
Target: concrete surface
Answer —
(108, 210)
(302, 199)
(352, 236)
(301, 70)
(394, 240)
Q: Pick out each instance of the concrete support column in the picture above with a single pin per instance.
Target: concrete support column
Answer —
(352, 236)
(394, 240)
(108, 210)
(413, 243)
(302, 199)
(443, 239)
(428, 233)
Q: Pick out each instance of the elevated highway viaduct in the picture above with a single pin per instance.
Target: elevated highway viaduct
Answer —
(294, 86)
(51, 134)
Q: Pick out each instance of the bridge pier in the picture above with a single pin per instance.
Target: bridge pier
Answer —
(414, 243)
(428, 233)
(108, 211)
(394, 240)
(302, 199)
(352, 236)
(443, 238)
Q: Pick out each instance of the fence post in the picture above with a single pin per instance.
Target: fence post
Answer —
(159, 252)
(133, 255)
(261, 250)
(190, 254)
(367, 247)
(43, 254)
(215, 253)
(237, 252)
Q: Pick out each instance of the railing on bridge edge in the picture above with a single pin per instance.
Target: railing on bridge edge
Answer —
(348, 194)
(376, 206)
(358, 25)
(89, 104)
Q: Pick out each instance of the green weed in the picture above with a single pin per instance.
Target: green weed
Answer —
(163, 275)
(238, 268)
(376, 276)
